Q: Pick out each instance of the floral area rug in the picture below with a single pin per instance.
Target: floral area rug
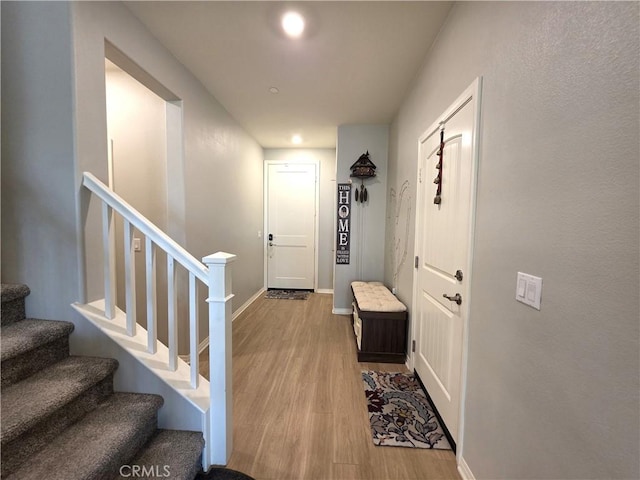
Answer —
(400, 413)
(287, 294)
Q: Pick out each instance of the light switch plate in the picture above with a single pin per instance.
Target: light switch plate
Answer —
(529, 290)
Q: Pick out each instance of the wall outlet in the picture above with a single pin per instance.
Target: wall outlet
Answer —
(394, 290)
(529, 290)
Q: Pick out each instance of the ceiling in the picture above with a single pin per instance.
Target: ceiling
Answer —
(353, 64)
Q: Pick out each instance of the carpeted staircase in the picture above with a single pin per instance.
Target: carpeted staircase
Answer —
(61, 418)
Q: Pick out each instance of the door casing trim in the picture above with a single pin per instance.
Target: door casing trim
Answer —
(471, 94)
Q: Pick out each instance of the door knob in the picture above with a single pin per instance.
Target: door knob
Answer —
(455, 298)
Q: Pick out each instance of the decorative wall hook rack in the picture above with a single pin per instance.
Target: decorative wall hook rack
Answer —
(363, 168)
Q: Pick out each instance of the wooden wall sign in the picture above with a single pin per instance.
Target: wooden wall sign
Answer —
(343, 237)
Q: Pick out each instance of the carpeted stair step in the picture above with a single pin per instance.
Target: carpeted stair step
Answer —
(37, 409)
(30, 346)
(97, 446)
(12, 297)
(174, 454)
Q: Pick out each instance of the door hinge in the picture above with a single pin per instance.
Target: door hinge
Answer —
(420, 175)
(413, 346)
(416, 262)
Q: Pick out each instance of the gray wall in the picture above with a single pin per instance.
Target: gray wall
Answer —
(550, 393)
(367, 219)
(137, 125)
(326, 158)
(54, 128)
(39, 233)
(223, 164)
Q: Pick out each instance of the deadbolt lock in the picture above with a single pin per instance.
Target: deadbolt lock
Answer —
(458, 275)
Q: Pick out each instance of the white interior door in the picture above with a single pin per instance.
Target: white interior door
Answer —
(291, 225)
(443, 245)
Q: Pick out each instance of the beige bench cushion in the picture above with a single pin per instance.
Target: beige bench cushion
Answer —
(375, 297)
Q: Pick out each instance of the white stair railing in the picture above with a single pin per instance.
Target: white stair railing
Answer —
(215, 273)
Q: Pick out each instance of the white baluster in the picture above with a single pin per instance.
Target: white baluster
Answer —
(109, 249)
(130, 278)
(220, 409)
(194, 331)
(172, 313)
(152, 313)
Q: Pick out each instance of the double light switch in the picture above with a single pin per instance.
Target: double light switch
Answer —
(529, 290)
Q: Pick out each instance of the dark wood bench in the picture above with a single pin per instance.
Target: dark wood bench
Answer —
(379, 323)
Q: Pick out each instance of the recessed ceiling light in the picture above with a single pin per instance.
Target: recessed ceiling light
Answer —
(273, 90)
(296, 139)
(293, 24)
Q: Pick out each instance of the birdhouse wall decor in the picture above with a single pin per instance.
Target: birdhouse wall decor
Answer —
(363, 168)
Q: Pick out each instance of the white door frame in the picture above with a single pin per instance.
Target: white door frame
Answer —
(265, 215)
(472, 93)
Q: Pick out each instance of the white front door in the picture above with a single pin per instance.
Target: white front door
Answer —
(291, 225)
(443, 246)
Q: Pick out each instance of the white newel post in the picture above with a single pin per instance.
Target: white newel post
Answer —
(220, 410)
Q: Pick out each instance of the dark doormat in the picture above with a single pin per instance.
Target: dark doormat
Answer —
(219, 473)
(288, 294)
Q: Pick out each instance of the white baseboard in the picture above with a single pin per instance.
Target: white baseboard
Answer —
(246, 304)
(464, 470)
(325, 290)
(341, 311)
(205, 343)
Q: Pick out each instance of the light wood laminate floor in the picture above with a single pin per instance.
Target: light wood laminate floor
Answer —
(299, 407)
